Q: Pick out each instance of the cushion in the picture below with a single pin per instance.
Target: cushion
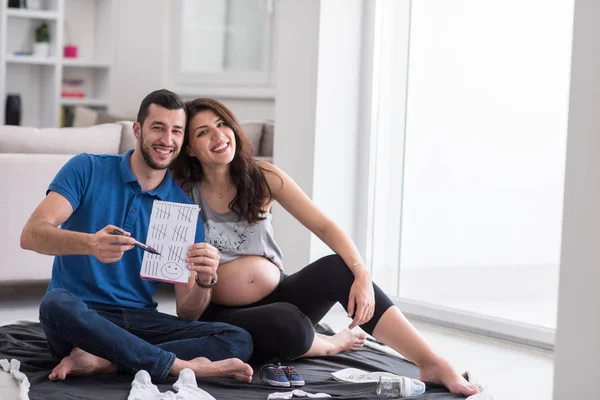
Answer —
(25, 179)
(253, 131)
(266, 141)
(84, 116)
(128, 139)
(94, 139)
(106, 118)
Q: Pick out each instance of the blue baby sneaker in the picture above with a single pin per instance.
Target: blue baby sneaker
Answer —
(292, 375)
(273, 375)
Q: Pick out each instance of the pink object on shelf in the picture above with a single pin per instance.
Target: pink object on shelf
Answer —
(70, 51)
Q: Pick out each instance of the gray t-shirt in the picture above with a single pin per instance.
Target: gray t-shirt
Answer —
(235, 237)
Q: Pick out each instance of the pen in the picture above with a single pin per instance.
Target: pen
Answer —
(137, 244)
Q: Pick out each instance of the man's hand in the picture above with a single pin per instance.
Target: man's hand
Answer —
(204, 259)
(109, 248)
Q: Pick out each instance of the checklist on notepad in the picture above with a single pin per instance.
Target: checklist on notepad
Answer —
(172, 229)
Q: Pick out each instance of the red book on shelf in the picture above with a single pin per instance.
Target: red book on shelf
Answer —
(73, 95)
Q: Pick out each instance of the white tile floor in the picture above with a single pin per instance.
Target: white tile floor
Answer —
(511, 371)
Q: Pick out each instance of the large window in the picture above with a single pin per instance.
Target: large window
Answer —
(468, 152)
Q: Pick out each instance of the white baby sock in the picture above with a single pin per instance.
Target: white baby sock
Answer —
(13, 369)
(187, 388)
(296, 393)
(142, 387)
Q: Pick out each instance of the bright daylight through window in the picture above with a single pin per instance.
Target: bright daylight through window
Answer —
(468, 154)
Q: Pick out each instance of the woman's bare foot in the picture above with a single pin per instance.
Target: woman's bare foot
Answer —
(229, 368)
(440, 371)
(80, 362)
(345, 340)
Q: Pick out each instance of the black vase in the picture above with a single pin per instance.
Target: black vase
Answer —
(12, 114)
(14, 3)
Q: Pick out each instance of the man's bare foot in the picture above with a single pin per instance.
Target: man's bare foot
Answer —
(440, 371)
(229, 368)
(80, 362)
(346, 340)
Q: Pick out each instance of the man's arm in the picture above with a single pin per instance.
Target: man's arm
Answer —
(191, 299)
(43, 235)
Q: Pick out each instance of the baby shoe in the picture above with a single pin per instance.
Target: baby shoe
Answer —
(292, 375)
(273, 375)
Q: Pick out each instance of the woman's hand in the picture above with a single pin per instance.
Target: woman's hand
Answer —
(203, 258)
(361, 302)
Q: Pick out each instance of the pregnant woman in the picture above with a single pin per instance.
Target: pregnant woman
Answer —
(235, 194)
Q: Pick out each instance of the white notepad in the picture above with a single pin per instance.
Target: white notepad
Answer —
(172, 229)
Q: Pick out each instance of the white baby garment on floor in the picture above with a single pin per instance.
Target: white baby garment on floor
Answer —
(354, 375)
(186, 387)
(409, 387)
(296, 394)
(23, 381)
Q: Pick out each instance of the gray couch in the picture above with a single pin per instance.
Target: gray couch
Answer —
(30, 157)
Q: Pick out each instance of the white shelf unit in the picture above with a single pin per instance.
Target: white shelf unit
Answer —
(84, 102)
(30, 60)
(32, 14)
(84, 23)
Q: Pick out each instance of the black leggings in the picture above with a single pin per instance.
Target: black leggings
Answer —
(282, 324)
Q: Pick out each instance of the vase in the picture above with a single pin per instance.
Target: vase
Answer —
(41, 49)
(12, 115)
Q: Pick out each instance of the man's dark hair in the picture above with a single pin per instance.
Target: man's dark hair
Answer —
(164, 98)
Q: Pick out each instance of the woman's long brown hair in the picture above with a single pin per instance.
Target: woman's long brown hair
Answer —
(253, 192)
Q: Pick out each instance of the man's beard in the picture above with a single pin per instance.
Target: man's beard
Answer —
(146, 153)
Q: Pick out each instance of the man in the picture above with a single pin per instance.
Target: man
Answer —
(99, 316)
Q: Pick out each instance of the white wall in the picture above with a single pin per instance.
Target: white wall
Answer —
(296, 43)
(137, 69)
(338, 115)
(577, 357)
(248, 109)
(318, 80)
(141, 59)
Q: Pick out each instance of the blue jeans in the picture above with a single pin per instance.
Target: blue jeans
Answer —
(135, 339)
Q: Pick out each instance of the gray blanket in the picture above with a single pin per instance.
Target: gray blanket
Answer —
(26, 342)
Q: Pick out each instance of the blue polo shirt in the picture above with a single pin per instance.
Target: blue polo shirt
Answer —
(103, 191)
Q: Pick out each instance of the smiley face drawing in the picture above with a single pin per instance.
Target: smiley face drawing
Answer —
(171, 271)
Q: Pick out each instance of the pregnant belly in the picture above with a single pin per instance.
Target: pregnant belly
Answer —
(245, 281)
